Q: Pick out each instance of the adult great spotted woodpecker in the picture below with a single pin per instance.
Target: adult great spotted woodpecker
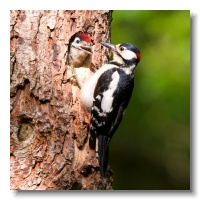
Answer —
(106, 95)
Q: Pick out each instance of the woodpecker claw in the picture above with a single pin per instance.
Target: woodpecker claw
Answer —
(74, 75)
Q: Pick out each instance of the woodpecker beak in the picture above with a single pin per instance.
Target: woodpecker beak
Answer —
(108, 45)
(87, 48)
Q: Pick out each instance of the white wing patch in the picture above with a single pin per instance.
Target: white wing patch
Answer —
(88, 88)
(107, 100)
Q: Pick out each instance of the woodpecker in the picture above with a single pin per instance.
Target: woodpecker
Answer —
(79, 56)
(106, 96)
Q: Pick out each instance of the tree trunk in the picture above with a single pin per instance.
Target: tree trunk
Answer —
(48, 127)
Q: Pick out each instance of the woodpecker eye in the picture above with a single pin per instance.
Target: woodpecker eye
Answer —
(121, 48)
(77, 40)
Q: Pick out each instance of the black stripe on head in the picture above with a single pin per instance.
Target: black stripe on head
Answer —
(131, 47)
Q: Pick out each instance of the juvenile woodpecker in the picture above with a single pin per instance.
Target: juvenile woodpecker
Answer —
(79, 56)
(106, 95)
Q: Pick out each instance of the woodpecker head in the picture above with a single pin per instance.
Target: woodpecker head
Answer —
(79, 49)
(126, 54)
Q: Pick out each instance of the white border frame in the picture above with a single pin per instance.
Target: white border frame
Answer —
(6, 6)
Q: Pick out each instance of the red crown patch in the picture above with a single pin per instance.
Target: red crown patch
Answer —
(85, 36)
(138, 56)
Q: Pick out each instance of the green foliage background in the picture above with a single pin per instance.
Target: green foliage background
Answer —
(151, 149)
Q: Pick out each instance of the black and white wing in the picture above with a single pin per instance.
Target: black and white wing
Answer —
(111, 97)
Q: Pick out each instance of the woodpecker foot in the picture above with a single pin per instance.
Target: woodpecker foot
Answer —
(68, 79)
(74, 75)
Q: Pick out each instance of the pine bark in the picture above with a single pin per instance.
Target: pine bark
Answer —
(48, 126)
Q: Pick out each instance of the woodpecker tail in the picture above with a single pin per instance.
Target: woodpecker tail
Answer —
(103, 142)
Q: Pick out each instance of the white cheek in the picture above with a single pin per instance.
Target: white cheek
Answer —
(128, 55)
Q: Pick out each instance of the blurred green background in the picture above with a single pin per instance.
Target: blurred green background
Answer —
(151, 148)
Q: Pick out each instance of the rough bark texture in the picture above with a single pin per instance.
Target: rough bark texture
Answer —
(48, 127)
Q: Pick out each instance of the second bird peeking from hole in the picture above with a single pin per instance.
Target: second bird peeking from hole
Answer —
(79, 58)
